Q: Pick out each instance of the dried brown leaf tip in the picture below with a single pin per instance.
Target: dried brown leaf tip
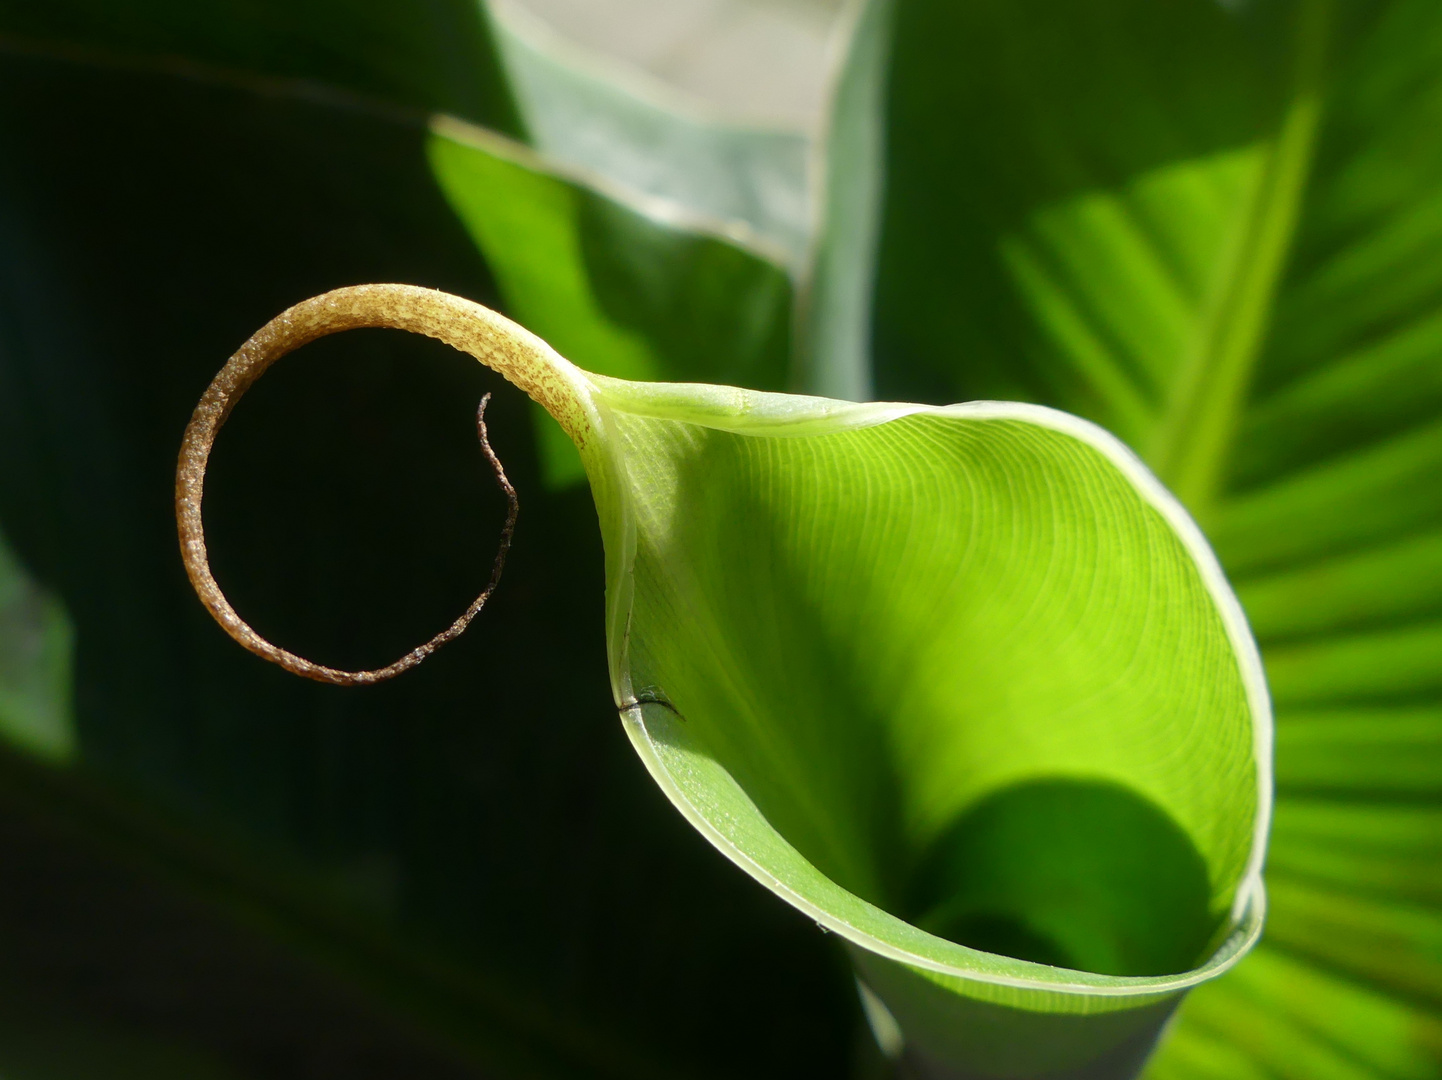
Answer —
(363, 306)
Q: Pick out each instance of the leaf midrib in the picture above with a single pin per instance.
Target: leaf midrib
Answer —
(1192, 442)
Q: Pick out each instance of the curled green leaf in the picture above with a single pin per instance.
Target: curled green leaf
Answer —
(963, 684)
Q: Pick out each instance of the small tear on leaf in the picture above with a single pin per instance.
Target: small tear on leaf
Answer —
(653, 695)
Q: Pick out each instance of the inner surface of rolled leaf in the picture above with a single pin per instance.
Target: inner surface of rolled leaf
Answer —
(962, 664)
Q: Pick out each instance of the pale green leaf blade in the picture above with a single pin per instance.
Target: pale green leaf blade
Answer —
(963, 684)
(618, 125)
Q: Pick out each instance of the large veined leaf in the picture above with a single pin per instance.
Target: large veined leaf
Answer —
(1214, 229)
(468, 852)
(891, 688)
(963, 684)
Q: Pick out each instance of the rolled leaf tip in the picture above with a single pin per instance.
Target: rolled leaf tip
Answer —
(908, 667)
(497, 342)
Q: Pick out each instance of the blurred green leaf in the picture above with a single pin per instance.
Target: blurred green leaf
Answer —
(35, 659)
(1214, 229)
(616, 124)
(629, 286)
(834, 312)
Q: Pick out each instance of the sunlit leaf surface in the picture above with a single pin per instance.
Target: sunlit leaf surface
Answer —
(962, 684)
(1214, 229)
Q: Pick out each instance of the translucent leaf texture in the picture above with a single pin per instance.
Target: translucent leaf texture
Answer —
(1213, 229)
(962, 684)
(965, 685)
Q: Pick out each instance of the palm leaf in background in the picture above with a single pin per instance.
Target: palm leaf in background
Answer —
(1216, 232)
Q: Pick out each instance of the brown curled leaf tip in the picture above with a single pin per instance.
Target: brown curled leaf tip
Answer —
(283, 334)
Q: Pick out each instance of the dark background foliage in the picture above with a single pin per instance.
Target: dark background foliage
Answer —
(473, 849)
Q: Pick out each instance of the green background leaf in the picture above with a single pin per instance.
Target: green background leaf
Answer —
(1215, 233)
(616, 124)
(614, 283)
